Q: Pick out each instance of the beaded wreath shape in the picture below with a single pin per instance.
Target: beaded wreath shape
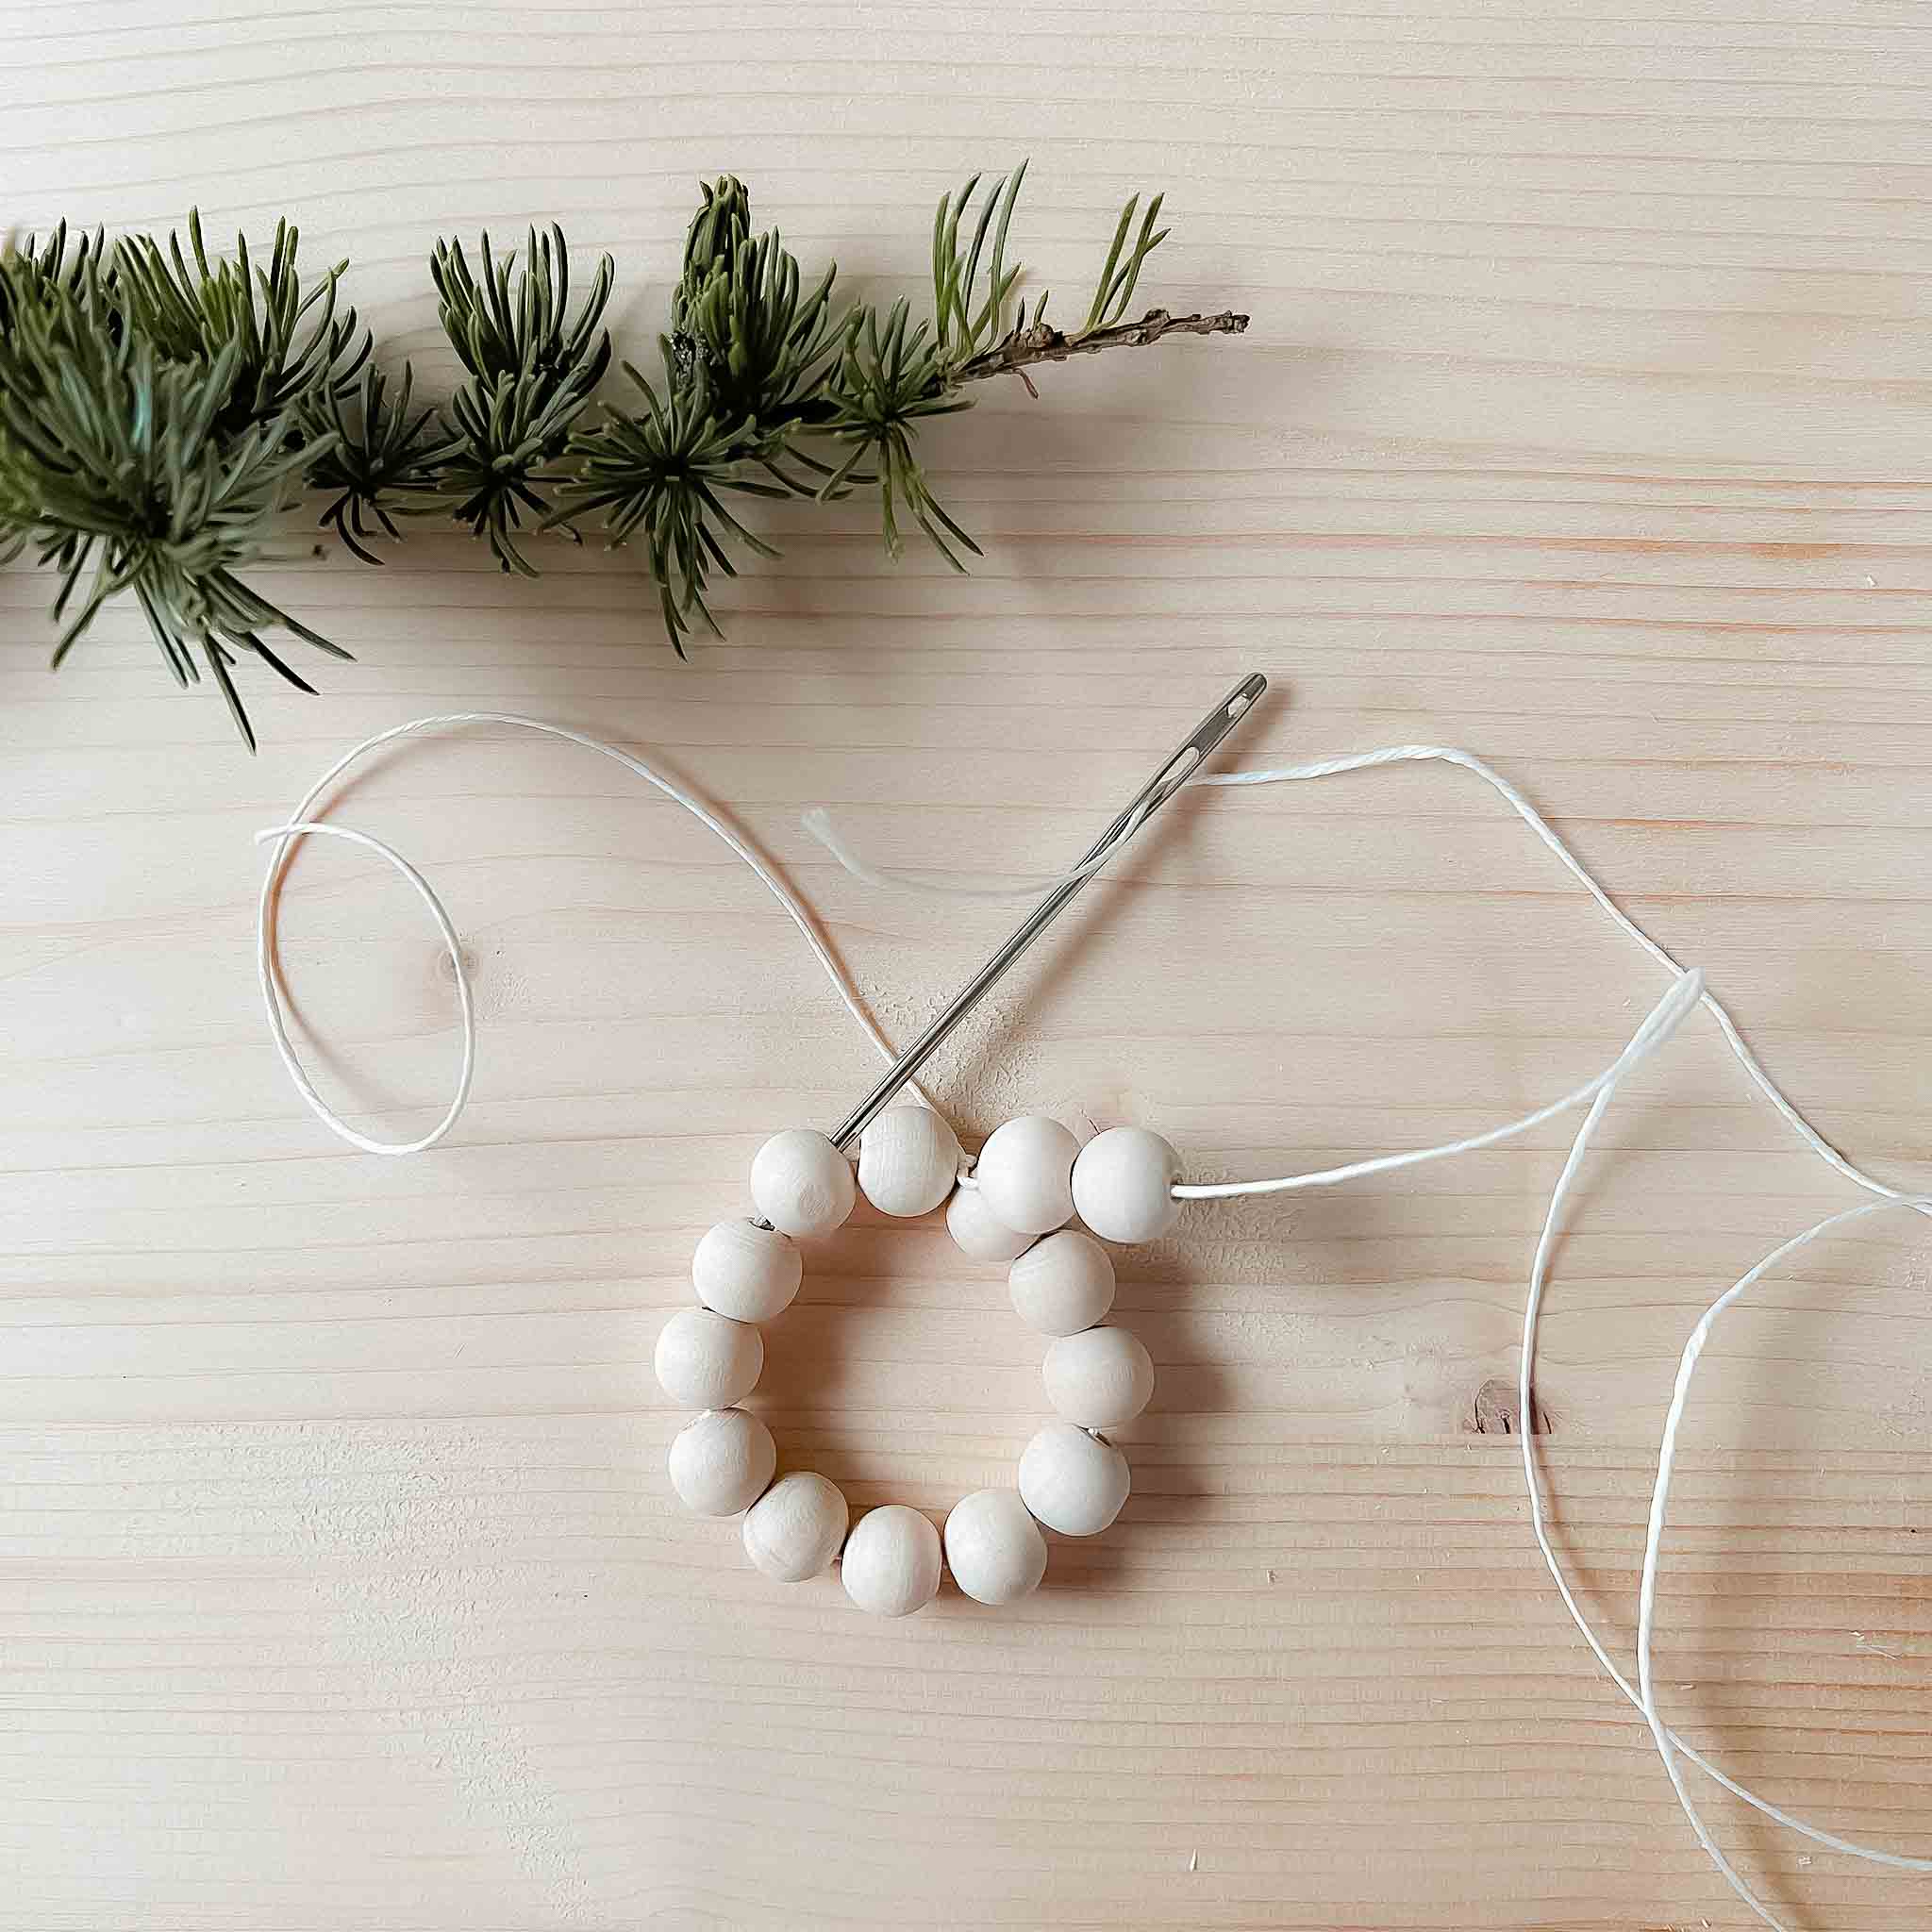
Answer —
(1013, 1206)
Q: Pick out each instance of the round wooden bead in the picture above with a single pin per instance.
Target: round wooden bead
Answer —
(795, 1529)
(975, 1233)
(1123, 1184)
(1025, 1174)
(705, 1361)
(801, 1184)
(1073, 1482)
(892, 1561)
(1100, 1379)
(1063, 1284)
(720, 1461)
(908, 1159)
(994, 1547)
(746, 1272)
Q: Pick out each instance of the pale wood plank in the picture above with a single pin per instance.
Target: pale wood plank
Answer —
(1584, 420)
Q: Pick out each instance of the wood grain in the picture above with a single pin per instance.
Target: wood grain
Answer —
(1585, 420)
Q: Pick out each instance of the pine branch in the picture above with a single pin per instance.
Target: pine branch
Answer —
(161, 407)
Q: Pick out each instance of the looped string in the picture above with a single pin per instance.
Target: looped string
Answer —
(1668, 1743)
(278, 1028)
(1687, 992)
(1644, 1693)
(301, 825)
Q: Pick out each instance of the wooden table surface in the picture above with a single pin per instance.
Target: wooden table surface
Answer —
(1585, 422)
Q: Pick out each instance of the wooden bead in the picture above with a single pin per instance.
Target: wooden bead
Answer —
(720, 1461)
(975, 1233)
(1073, 1482)
(801, 1184)
(908, 1159)
(1123, 1184)
(892, 1561)
(994, 1547)
(1026, 1175)
(1100, 1379)
(1063, 1284)
(746, 1272)
(795, 1529)
(707, 1361)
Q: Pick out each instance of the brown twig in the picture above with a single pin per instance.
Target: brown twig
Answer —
(1043, 343)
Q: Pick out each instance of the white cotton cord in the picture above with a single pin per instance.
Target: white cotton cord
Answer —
(1662, 1021)
(818, 822)
(278, 1030)
(301, 824)
(1667, 1742)
(1670, 1746)
(1468, 761)
(1642, 1693)
(1686, 992)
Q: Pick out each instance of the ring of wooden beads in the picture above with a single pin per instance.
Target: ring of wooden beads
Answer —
(1014, 1207)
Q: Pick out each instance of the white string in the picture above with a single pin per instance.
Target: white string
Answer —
(1668, 1744)
(819, 822)
(1468, 761)
(1641, 1694)
(278, 1032)
(301, 824)
(1662, 1021)
(1686, 992)
(1649, 1037)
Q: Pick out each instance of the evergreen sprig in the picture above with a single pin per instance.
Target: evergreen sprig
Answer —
(775, 379)
(532, 370)
(739, 324)
(375, 459)
(664, 472)
(151, 434)
(291, 346)
(160, 408)
(892, 378)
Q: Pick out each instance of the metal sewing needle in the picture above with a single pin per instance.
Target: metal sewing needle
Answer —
(1186, 757)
